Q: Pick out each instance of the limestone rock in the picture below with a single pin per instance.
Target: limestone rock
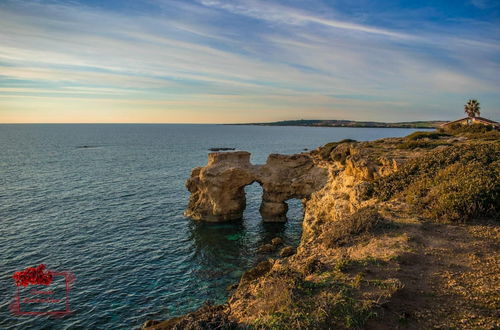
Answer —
(217, 190)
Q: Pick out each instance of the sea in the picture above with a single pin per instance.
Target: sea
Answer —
(102, 205)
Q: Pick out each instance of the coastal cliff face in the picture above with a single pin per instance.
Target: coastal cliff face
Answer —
(217, 190)
(351, 167)
(371, 253)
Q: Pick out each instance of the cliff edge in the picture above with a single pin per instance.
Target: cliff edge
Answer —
(397, 233)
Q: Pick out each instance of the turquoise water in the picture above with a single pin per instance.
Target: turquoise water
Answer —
(111, 213)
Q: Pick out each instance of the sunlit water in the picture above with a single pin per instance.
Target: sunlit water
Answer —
(111, 214)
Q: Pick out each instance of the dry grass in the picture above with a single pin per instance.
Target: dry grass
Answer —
(327, 301)
(342, 232)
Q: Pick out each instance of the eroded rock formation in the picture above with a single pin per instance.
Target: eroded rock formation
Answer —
(217, 190)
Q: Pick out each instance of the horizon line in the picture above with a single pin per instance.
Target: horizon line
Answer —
(235, 123)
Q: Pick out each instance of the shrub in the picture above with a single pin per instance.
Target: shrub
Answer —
(452, 184)
(423, 140)
(327, 148)
(414, 144)
(474, 131)
(487, 136)
(474, 128)
(433, 135)
(457, 192)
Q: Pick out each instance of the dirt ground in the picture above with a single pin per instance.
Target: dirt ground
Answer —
(451, 279)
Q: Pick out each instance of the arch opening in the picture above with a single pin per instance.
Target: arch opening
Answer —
(295, 210)
(253, 197)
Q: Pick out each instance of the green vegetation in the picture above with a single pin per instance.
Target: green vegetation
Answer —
(424, 140)
(468, 130)
(456, 183)
(486, 136)
(472, 108)
(474, 131)
(421, 144)
(433, 135)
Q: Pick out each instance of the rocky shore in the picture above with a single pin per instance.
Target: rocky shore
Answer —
(397, 233)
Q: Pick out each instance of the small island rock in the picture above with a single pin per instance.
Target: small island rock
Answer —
(277, 241)
(267, 248)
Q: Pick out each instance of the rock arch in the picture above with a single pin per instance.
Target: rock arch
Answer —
(217, 190)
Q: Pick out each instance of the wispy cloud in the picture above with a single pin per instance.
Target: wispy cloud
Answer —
(290, 16)
(482, 4)
(262, 59)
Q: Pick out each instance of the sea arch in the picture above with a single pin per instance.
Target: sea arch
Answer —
(218, 189)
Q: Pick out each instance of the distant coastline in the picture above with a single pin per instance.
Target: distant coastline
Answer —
(350, 123)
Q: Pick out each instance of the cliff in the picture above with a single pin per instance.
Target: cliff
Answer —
(391, 236)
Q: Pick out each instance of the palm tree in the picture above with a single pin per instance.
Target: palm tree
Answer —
(472, 108)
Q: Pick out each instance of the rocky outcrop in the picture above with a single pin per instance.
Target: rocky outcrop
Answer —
(217, 190)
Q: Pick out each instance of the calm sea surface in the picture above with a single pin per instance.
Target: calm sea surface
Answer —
(112, 215)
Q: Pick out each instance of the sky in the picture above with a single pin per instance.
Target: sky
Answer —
(238, 61)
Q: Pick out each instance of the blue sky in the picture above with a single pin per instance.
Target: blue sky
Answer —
(215, 61)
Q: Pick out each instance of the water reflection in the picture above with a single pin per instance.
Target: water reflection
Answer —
(222, 251)
(219, 248)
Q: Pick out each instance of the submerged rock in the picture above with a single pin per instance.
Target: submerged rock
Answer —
(267, 248)
(277, 241)
(86, 147)
(150, 323)
(287, 251)
(221, 149)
